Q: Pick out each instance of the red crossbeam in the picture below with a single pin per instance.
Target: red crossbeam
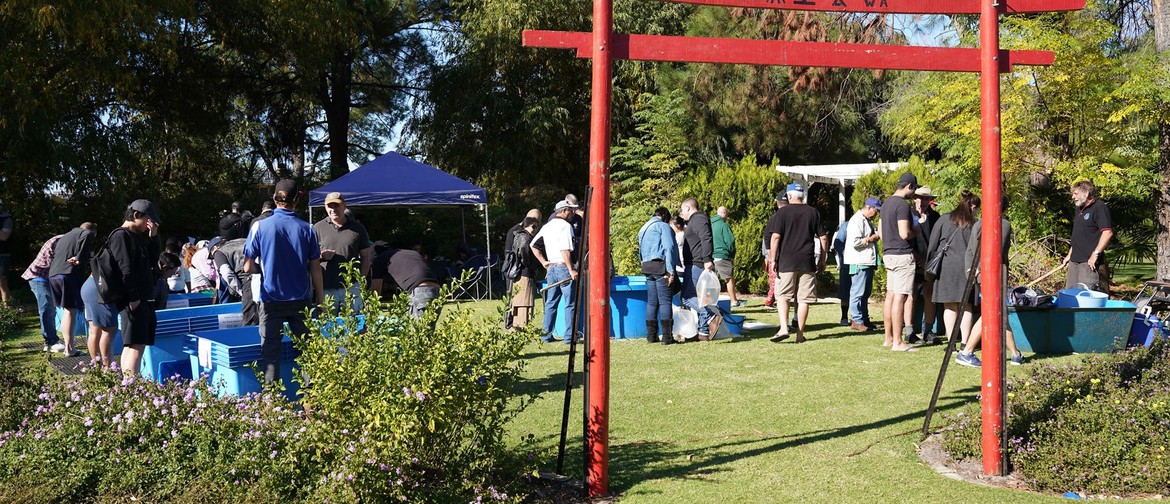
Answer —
(898, 6)
(784, 53)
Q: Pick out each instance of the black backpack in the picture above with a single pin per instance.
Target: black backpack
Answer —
(516, 258)
(111, 287)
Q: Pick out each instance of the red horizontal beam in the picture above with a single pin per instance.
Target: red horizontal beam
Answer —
(784, 53)
(898, 6)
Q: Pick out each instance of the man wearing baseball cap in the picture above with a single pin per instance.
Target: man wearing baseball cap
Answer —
(342, 240)
(122, 284)
(286, 248)
(557, 236)
(794, 254)
(861, 255)
(898, 233)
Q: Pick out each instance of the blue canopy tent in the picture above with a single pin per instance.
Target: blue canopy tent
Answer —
(396, 180)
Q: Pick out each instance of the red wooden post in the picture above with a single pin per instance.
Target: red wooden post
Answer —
(597, 299)
(992, 252)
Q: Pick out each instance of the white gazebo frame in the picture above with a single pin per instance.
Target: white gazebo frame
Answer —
(841, 175)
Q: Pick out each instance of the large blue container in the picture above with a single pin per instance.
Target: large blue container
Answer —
(1068, 330)
(226, 355)
(172, 332)
(627, 309)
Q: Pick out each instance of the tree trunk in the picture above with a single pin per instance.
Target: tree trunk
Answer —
(337, 105)
(1161, 15)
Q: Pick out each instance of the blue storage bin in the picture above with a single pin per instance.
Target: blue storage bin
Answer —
(627, 309)
(229, 356)
(171, 334)
(1067, 330)
(1145, 329)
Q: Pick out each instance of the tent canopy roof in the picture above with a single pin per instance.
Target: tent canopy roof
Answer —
(394, 179)
(842, 174)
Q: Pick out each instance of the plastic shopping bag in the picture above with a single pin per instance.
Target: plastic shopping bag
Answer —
(707, 288)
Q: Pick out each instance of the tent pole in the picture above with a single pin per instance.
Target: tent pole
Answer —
(487, 232)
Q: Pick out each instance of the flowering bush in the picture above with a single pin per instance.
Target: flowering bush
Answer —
(1102, 426)
(399, 412)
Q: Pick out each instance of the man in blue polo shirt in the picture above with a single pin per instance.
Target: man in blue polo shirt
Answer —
(287, 250)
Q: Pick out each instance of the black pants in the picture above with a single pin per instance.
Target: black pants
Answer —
(273, 316)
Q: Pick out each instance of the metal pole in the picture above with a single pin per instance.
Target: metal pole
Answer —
(574, 327)
(597, 436)
(487, 239)
(992, 242)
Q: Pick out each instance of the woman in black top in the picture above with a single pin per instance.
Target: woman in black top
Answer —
(950, 237)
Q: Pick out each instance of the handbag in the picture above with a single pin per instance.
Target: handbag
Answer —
(655, 267)
(934, 265)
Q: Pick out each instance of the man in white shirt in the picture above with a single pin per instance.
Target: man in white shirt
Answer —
(557, 236)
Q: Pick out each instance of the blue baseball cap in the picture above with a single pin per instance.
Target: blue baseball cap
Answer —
(795, 186)
(873, 202)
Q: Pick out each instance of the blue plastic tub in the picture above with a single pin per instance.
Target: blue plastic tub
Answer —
(227, 356)
(1145, 329)
(81, 331)
(171, 334)
(627, 309)
(1068, 330)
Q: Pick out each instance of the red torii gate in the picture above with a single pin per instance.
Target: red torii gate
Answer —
(603, 46)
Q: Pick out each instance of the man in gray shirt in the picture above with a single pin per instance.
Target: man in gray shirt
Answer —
(342, 239)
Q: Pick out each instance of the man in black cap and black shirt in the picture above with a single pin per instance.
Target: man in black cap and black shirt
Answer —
(409, 270)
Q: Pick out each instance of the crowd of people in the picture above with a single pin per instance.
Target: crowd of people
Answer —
(920, 306)
(277, 265)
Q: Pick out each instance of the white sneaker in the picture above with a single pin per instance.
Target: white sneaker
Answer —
(57, 347)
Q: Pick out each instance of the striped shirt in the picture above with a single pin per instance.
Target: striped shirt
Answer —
(40, 266)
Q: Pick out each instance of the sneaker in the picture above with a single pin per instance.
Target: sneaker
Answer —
(741, 303)
(57, 347)
(1017, 359)
(845, 321)
(871, 326)
(913, 339)
(859, 327)
(967, 359)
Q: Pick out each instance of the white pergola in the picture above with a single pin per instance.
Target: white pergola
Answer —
(841, 175)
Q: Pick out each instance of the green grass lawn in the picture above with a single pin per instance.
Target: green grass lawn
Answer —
(835, 419)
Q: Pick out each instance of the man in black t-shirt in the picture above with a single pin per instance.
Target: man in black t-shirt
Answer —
(792, 239)
(898, 235)
(409, 270)
(1091, 231)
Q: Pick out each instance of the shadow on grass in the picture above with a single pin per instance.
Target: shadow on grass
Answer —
(638, 461)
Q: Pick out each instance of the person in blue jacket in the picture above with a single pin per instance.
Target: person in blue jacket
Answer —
(659, 258)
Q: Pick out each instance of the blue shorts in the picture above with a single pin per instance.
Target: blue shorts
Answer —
(98, 313)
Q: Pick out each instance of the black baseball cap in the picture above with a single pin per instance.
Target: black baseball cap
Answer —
(907, 179)
(146, 207)
(286, 190)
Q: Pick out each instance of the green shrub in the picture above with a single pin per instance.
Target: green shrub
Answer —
(1102, 426)
(432, 401)
(9, 321)
(399, 412)
(748, 190)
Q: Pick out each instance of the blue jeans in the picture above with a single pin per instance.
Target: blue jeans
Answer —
(552, 298)
(690, 297)
(45, 310)
(861, 286)
(657, 299)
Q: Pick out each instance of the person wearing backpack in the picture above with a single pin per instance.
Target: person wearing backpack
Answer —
(524, 286)
(122, 282)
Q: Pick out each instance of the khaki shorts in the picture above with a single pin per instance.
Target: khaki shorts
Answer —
(725, 268)
(899, 274)
(798, 286)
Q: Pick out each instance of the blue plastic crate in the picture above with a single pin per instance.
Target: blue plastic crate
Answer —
(172, 329)
(240, 380)
(81, 330)
(187, 300)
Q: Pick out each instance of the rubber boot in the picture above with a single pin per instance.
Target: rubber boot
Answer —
(667, 331)
(652, 331)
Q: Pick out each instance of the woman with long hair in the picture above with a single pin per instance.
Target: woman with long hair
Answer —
(949, 238)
